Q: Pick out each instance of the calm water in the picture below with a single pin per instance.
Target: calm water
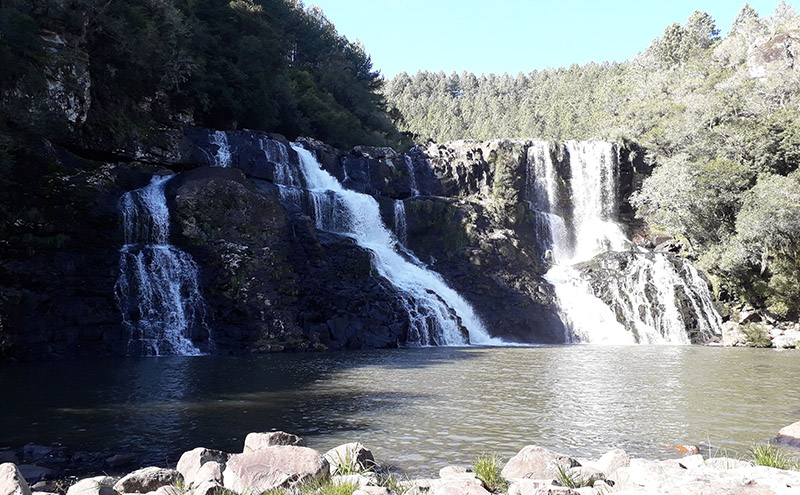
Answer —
(418, 409)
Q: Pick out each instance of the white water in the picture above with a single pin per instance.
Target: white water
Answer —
(434, 309)
(222, 158)
(400, 225)
(412, 178)
(645, 294)
(157, 288)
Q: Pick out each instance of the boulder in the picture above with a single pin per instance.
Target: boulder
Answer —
(210, 471)
(612, 460)
(273, 467)
(147, 479)
(529, 487)
(458, 486)
(537, 463)
(191, 461)
(11, 481)
(372, 490)
(99, 485)
(257, 441)
(691, 462)
(790, 434)
(350, 457)
(454, 472)
(168, 490)
(207, 488)
(722, 463)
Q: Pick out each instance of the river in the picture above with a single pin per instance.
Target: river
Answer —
(417, 409)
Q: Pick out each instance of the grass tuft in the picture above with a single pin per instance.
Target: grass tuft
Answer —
(328, 487)
(570, 479)
(771, 456)
(487, 468)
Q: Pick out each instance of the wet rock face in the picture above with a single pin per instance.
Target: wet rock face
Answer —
(615, 276)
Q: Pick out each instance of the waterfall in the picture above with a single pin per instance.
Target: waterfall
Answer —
(222, 158)
(400, 226)
(157, 290)
(412, 178)
(435, 311)
(645, 293)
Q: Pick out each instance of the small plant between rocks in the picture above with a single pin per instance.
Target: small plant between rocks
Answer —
(756, 335)
(771, 456)
(570, 479)
(487, 468)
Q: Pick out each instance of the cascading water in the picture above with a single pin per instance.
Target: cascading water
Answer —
(436, 312)
(412, 177)
(400, 225)
(157, 290)
(644, 293)
(222, 158)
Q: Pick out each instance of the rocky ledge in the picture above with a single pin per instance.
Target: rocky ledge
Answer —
(279, 463)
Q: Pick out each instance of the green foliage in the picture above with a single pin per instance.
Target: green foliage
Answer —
(570, 479)
(328, 487)
(725, 145)
(487, 468)
(756, 335)
(394, 484)
(771, 456)
(272, 65)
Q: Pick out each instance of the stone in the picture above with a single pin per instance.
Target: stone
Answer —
(460, 486)
(691, 462)
(8, 456)
(147, 479)
(208, 488)
(33, 473)
(191, 461)
(210, 471)
(350, 457)
(11, 481)
(119, 460)
(612, 460)
(536, 462)
(588, 474)
(790, 434)
(720, 463)
(732, 334)
(528, 486)
(360, 479)
(168, 490)
(257, 441)
(372, 490)
(280, 466)
(453, 471)
(99, 485)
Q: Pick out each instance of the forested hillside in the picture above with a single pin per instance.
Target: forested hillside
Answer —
(719, 117)
(263, 64)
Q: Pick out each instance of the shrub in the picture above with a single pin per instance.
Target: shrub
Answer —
(487, 469)
(771, 456)
(756, 335)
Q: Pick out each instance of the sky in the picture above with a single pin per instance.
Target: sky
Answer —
(513, 35)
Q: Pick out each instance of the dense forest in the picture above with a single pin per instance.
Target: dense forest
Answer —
(262, 64)
(719, 118)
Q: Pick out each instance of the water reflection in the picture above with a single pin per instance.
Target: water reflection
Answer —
(419, 409)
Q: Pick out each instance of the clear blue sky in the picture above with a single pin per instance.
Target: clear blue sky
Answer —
(512, 35)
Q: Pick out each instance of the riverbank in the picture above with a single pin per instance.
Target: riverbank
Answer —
(279, 463)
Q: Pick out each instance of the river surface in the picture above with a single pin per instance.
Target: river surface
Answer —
(417, 409)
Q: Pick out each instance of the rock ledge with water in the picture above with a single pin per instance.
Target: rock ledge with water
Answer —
(534, 470)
